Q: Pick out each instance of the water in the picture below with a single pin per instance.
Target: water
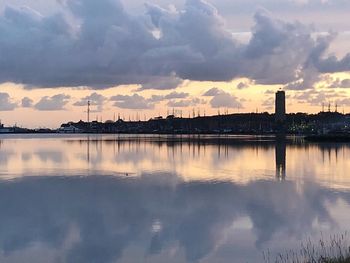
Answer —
(167, 199)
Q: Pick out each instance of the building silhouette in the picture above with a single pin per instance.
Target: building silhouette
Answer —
(280, 106)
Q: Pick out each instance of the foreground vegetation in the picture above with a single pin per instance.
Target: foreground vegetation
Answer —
(336, 250)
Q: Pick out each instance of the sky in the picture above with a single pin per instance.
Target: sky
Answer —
(138, 59)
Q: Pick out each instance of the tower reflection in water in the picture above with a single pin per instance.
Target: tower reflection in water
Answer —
(195, 147)
(281, 152)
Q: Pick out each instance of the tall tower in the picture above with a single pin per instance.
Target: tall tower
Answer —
(280, 107)
(88, 111)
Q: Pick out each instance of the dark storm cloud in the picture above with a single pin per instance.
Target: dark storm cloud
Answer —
(103, 45)
(54, 103)
(161, 83)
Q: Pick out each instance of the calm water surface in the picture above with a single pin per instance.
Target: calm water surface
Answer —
(167, 199)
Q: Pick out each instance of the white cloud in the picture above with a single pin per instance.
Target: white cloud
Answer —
(317, 98)
(185, 103)
(134, 102)
(268, 103)
(343, 102)
(95, 99)
(170, 96)
(54, 103)
(338, 83)
(212, 92)
(6, 103)
(27, 102)
(224, 99)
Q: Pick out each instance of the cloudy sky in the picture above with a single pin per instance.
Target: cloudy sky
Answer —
(139, 59)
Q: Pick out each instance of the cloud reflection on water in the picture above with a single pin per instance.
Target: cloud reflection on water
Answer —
(113, 214)
(182, 201)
